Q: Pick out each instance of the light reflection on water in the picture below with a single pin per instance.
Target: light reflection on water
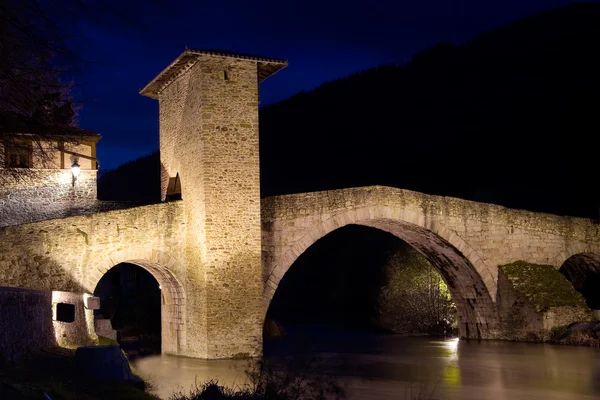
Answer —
(379, 367)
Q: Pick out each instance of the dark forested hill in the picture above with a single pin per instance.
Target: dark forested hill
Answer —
(137, 181)
(511, 117)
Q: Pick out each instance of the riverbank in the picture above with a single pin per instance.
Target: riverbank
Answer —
(53, 374)
(578, 334)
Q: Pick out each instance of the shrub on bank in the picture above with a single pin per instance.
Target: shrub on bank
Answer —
(578, 334)
(302, 379)
(211, 390)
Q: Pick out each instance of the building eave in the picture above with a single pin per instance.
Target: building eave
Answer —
(186, 60)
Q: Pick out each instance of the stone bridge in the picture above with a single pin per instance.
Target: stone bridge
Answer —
(464, 240)
(220, 252)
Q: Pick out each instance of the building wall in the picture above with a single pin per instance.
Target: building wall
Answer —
(29, 325)
(42, 194)
(46, 190)
(46, 154)
(72, 254)
(209, 137)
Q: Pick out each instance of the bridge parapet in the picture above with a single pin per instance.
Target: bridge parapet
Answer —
(293, 206)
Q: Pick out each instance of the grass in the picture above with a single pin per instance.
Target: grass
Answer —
(104, 341)
(55, 373)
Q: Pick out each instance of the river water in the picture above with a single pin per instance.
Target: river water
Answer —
(372, 366)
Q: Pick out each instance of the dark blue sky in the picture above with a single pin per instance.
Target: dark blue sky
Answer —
(323, 40)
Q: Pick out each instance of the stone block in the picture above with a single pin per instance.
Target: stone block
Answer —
(92, 302)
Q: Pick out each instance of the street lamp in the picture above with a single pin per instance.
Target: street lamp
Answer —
(75, 169)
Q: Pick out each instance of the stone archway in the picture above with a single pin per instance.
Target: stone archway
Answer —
(173, 300)
(472, 284)
(583, 271)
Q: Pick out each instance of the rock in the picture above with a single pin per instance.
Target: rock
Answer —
(92, 302)
(107, 363)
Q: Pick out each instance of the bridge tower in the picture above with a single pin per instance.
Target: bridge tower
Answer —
(208, 106)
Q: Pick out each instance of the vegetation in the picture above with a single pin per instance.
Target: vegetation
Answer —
(415, 299)
(542, 285)
(40, 53)
(104, 341)
(578, 334)
(305, 380)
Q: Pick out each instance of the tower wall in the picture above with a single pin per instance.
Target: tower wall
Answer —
(209, 137)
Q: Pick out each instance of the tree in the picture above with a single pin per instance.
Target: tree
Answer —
(415, 299)
(35, 98)
(40, 51)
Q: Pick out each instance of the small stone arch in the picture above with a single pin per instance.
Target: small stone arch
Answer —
(173, 299)
(472, 283)
(583, 271)
(573, 249)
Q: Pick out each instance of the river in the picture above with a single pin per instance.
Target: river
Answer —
(371, 366)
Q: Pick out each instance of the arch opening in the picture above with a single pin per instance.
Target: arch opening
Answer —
(475, 309)
(145, 303)
(583, 271)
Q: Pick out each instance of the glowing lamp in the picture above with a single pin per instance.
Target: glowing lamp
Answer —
(75, 169)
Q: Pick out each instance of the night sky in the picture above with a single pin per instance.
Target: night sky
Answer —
(323, 40)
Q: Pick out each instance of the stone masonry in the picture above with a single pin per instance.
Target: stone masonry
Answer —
(33, 325)
(46, 189)
(220, 253)
(72, 254)
(44, 194)
(466, 241)
(209, 141)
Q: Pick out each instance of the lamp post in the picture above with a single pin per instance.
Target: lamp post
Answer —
(75, 169)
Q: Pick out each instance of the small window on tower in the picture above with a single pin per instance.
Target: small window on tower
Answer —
(225, 75)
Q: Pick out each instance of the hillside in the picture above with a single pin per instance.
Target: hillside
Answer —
(136, 181)
(509, 117)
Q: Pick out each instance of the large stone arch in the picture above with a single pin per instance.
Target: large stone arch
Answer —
(173, 300)
(473, 283)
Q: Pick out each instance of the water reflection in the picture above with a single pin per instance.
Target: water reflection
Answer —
(169, 374)
(376, 367)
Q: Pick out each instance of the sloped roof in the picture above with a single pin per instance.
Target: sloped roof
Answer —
(13, 124)
(187, 59)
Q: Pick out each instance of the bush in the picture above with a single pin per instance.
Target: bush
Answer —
(273, 382)
(415, 299)
(211, 390)
(581, 339)
(558, 333)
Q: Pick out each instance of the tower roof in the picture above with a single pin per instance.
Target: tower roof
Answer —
(187, 59)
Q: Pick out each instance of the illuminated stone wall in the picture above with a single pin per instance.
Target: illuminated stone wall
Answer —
(29, 323)
(465, 240)
(43, 194)
(72, 254)
(209, 137)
